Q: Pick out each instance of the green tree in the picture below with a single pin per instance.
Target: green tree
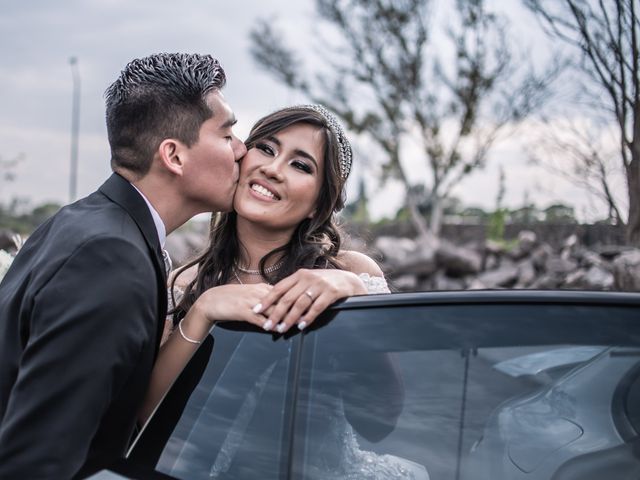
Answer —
(559, 213)
(358, 210)
(17, 218)
(526, 215)
(498, 219)
(389, 81)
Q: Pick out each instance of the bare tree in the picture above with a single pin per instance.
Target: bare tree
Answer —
(391, 82)
(589, 159)
(605, 32)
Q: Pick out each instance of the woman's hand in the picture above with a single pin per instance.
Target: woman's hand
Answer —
(302, 296)
(231, 302)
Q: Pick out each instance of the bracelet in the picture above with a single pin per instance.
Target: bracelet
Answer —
(190, 340)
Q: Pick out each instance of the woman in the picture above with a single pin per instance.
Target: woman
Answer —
(276, 260)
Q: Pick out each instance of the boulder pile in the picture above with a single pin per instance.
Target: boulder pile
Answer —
(437, 264)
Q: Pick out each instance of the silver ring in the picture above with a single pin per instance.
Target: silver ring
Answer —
(309, 294)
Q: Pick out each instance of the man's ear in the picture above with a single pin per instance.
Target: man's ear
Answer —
(171, 153)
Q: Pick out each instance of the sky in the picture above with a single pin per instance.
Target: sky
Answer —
(38, 37)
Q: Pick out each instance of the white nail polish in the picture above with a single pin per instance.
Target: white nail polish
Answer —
(267, 325)
(301, 325)
(257, 307)
(281, 327)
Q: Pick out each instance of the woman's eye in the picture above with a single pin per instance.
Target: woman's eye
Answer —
(301, 166)
(265, 148)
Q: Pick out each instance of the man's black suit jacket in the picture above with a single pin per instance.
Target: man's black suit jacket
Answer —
(81, 314)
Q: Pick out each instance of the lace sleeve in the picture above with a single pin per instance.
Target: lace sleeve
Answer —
(374, 284)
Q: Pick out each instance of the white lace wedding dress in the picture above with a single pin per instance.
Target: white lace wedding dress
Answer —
(354, 463)
(374, 284)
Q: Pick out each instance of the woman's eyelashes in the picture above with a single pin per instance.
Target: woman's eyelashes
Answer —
(266, 148)
(272, 152)
(300, 165)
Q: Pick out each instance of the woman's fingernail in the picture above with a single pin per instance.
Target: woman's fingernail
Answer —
(302, 324)
(267, 325)
(280, 328)
(256, 308)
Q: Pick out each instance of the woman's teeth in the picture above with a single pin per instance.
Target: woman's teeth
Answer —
(262, 191)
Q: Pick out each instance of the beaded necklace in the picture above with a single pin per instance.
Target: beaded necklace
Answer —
(270, 269)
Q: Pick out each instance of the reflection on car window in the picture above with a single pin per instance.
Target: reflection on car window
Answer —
(232, 422)
(453, 392)
(631, 398)
(378, 406)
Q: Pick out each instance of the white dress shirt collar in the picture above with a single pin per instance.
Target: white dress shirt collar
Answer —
(157, 220)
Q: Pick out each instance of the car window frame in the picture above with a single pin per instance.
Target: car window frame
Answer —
(359, 306)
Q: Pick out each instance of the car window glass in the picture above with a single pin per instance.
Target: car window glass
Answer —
(631, 398)
(451, 397)
(232, 420)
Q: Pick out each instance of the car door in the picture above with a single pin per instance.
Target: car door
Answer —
(226, 415)
(424, 386)
(473, 386)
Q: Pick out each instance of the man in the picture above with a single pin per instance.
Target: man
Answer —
(83, 306)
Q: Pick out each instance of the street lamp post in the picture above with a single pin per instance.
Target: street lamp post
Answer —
(75, 129)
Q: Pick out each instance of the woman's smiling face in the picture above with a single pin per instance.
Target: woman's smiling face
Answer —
(281, 177)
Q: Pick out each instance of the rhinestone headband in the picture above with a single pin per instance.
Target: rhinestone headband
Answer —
(346, 155)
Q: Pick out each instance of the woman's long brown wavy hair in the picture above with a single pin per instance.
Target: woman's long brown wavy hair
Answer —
(316, 241)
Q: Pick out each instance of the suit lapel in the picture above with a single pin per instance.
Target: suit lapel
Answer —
(120, 191)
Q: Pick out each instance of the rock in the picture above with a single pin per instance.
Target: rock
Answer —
(575, 279)
(505, 276)
(491, 262)
(560, 266)
(526, 274)
(546, 281)
(609, 252)
(458, 261)
(442, 282)
(588, 259)
(476, 284)
(395, 250)
(569, 247)
(404, 283)
(626, 270)
(184, 246)
(540, 256)
(491, 246)
(594, 278)
(421, 261)
(599, 278)
(527, 240)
